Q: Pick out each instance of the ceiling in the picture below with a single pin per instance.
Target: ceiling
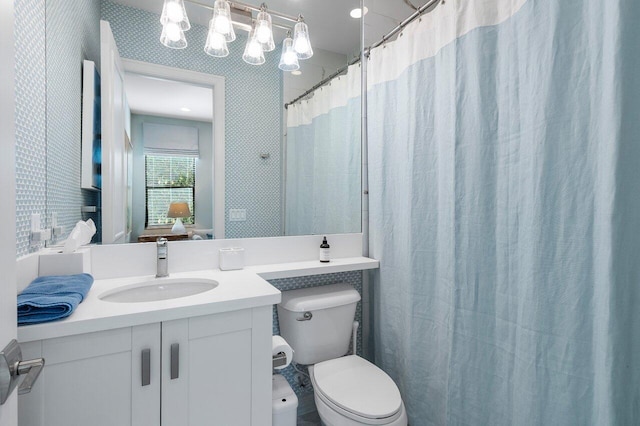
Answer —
(165, 98)
(330, 25)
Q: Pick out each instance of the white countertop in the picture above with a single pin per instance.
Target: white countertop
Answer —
(236, 290)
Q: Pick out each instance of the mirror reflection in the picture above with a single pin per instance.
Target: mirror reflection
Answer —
(243, 163)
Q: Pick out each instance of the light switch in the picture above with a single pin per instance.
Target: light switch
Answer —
(237, 215)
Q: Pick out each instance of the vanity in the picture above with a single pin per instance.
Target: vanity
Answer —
(198, 359)
(192, 348)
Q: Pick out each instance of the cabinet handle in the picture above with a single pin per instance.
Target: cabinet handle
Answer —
(146, 367)
(175, 361)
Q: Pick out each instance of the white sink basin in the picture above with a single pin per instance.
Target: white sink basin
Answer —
(158, 289)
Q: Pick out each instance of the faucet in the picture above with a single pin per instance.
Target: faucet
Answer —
(162, 247)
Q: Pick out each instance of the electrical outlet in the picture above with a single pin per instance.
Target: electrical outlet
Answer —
(237, 215)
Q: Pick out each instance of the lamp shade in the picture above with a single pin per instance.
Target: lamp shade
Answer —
(179, 210)
(221, 20)
(301, 42)
(264, 31)
(289, 58)
(216, 44)
(173, 36)
(174, 11)
(253, 53)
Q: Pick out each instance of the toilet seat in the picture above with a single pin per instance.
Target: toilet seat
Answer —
(357, 389)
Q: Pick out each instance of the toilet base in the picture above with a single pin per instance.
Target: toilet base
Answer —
(330, 417)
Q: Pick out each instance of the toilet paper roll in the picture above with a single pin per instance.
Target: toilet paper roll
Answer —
(278, 344)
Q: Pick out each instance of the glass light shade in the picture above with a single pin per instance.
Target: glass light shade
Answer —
(172, 36)
(289, 58)
(216, 44)
(301, 42)
(174, 11)
(264, 31)
(253, 53)
(179, 209)
(221, 21)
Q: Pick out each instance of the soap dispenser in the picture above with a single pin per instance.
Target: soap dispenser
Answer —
(324, 251)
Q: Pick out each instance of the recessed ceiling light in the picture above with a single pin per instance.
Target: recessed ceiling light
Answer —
(357, 13)
(296, 72)
(185, 109)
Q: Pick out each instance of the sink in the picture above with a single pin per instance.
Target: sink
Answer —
(157, 289)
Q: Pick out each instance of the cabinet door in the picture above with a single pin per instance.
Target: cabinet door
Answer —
(218, 381)
(94, 379)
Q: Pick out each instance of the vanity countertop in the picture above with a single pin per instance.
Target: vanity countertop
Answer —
(236, 290)
(242, 289)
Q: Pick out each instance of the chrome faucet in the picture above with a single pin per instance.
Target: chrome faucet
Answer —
(162, 247)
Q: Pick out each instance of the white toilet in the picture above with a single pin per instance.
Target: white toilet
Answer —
(349, 390)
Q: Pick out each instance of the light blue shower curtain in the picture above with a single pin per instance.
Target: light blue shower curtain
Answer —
(323, 144)
(504, 174)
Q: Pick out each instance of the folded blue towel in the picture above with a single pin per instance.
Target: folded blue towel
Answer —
(52, 298)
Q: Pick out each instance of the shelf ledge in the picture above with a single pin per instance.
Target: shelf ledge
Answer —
(313, 267)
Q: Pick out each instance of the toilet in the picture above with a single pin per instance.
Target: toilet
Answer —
(348, 390)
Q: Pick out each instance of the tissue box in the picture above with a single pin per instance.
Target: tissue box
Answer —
(231, 258)
(54, 262)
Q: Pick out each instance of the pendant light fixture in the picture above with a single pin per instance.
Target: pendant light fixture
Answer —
(264, 29)
(216, 43)
(253, 53)
(289, 58)
(221, 20)
(174, 11)
(301, 42)
(175, 22)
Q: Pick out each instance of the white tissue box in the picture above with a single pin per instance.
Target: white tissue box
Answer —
(231, 258)
(54, 262)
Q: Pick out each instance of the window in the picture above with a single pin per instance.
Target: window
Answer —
(169, 179)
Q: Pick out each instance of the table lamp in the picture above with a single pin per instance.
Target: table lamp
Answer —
(178, 210)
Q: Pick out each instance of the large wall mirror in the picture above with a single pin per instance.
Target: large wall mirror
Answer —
(229, 148)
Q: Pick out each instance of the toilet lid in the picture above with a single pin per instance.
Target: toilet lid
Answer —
(356, 385)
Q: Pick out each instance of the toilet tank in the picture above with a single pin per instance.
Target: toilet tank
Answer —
(318, 322)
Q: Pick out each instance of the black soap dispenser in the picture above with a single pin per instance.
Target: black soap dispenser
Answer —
(324, 251)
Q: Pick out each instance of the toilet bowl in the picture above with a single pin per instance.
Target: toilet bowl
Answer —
(348, 390)
(351, 391)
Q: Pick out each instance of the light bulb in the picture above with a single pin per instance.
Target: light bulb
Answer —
(290, 58)
(173, 31)
(221, 24)
(254, 49)
(174, 12)
(301, 45)
(217, 40)
(263, 33)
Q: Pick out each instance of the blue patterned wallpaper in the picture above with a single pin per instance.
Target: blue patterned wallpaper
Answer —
(73, 34)
(31, 142)
(52, 39)
(253, 110)
(353, 278)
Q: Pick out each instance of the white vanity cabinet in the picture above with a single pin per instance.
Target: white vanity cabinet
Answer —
(204, 370)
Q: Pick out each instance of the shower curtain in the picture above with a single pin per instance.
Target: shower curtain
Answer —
(504, 178)
(323, 180)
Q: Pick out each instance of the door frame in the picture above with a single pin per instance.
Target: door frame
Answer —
(217, 84)
(8, 288)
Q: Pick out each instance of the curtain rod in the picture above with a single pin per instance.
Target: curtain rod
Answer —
(323, 82)
(386, 37)
(403, 24)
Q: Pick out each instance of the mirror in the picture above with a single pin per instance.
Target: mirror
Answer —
(264, 170)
